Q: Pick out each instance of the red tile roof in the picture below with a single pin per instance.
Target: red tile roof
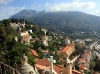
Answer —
(58, 69)
(75, 72)
(43, 62)
(33, 52)
(42, 67)
(84, 59)
(81, 66)
(65, 49)
(26, 38)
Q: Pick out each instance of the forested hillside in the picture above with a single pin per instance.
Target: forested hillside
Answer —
(69, 22)
(10, 49)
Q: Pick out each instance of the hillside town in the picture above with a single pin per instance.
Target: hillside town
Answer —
(55, 55)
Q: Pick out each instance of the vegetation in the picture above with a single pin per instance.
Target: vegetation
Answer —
(95, 64)
(86, 72)
(73, 23)
(11, 50)
(2, 37)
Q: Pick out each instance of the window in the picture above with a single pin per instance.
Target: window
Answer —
(64, 58)
(64, 65)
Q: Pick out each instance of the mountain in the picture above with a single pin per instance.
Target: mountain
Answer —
(70, 22)
(24, 14)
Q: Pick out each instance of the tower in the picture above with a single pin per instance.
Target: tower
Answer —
(66, 66)
(45, 32)
(24, 22)
(67, 41)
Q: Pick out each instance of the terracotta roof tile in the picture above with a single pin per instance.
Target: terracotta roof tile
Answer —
(33, 52)
(43, 62)
(75, 72)
(58, 69)
(65, 49)
(42, 67)
(81, 66)
(26, 38)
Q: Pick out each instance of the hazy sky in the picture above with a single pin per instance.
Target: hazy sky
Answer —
(11, 7)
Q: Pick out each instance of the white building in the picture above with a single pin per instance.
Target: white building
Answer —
(67, 41)
(24, 33)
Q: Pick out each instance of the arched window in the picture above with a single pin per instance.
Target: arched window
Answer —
(64, 65)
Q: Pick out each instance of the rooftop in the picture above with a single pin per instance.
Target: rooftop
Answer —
(43, 62)
(65, 49)
(33, 52)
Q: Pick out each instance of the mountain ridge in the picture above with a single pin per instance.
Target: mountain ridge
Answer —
(65, 21)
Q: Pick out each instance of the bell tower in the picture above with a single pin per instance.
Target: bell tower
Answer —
(66, 66)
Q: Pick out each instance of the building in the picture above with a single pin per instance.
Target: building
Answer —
(33, 53)
(84, 60)
(14, 26)
(80, 42)
(46, 66)
(67, 49)
(26, 39)
(30, 31)
(67, 41)
(68, 67)
(44, 30)
(25, 33)
(45, 40)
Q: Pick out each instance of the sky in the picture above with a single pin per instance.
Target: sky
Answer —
(11, 7)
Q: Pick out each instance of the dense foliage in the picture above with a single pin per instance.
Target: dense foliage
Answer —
(11, 50)
(95, 64)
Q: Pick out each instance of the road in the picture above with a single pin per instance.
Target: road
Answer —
(92, 45)
(95, 52)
